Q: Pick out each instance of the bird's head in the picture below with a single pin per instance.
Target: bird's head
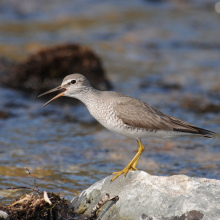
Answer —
(74, 85)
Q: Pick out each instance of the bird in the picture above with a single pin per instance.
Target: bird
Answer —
(125, 115)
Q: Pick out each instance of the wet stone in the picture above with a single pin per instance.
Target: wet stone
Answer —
(157, 82)
(180, 4)
(46, 69)
(200, 105)
(4, 115)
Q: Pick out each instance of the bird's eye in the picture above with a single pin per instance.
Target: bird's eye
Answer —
(73, 81)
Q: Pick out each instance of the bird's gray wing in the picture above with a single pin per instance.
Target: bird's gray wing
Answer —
(136, 113)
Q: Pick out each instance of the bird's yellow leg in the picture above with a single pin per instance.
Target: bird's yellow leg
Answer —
(141, 149)
(136, 162)
(133, 164)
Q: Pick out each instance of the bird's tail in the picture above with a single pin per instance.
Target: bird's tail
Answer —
(185, 127)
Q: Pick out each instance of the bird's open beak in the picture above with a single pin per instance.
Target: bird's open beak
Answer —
(53, 90)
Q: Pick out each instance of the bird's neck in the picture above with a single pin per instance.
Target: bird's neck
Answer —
(90, 96)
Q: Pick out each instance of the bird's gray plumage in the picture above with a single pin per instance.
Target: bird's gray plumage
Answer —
(113, 109)
(139, 114)
(126, 115)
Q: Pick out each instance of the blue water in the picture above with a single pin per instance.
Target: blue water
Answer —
(146, 48)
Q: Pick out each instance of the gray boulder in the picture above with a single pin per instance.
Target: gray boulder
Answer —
(143, 196)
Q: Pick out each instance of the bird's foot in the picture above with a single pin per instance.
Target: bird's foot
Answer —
(133, 164)
(124, 171)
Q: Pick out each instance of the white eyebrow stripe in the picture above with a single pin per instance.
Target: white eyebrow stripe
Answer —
(67, 81)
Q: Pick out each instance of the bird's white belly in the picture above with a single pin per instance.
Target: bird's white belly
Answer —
(138, 133)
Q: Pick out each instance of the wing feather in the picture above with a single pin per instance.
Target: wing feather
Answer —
(136, 113)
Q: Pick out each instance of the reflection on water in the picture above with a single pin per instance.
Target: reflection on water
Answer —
(152, 51)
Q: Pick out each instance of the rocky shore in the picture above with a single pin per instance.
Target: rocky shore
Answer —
(144, 196)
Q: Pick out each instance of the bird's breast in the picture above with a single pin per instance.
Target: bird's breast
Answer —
(105, 114)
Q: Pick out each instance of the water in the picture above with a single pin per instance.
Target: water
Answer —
(163, 53)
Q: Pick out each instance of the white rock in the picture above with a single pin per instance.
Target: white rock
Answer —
(143, 196)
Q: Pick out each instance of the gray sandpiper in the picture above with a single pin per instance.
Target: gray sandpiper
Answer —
(125, 115)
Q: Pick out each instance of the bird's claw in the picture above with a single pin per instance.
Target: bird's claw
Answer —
(124, 171)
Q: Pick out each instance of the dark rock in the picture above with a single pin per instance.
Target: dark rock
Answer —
(158, 82)
(4, 115)
(154, 1)
(207, 5)
(173, 44)
(46, 69)
(200, 105)
(143, 196)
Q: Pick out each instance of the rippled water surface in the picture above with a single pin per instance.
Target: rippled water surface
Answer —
(167, 54)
